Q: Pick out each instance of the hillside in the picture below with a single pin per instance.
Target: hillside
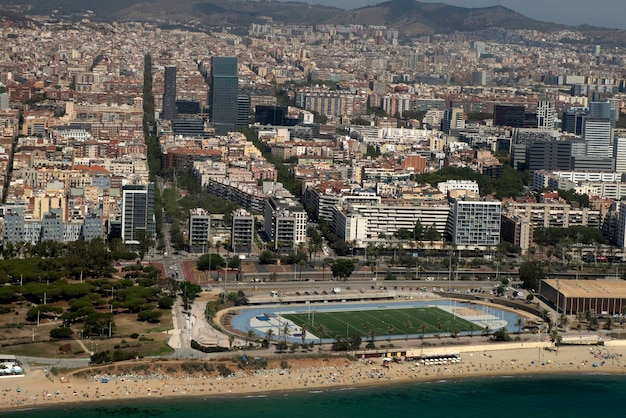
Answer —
(410, 17)
(219, 12)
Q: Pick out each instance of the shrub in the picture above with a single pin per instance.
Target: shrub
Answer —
(223, 370)
(61, 333)
(197, 346)
(134, 335)
(166, 302)
(190, 367)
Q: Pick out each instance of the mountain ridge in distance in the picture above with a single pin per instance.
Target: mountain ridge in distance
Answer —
(410, 17)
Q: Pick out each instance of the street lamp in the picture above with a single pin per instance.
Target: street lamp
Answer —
(226, 275)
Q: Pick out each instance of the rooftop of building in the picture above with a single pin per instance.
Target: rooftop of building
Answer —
(589, 288)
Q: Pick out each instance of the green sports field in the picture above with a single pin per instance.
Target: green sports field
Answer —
(380, 323)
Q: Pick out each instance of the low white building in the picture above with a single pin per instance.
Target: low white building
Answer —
(467, 185)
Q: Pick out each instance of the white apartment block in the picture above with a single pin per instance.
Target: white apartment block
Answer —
(468, 185)
(363, 222)
(613, 190)
(554, 215)
(376, 135)
(475, 222)
(285, 222)
(564, 180)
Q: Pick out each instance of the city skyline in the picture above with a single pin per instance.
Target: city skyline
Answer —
(569, 12)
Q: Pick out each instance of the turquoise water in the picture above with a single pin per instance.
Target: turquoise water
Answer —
(510, 397)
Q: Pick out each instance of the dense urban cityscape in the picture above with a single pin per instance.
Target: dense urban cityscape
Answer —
(156, 177)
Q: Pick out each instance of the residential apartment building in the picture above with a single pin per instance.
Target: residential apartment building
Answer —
(475, 222)
(554, 214)
(285, 222)
(242, 231)
(199, 232)
(467, 185)
(367, 222)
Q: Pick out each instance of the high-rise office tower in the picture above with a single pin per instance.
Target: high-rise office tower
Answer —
(479, 78)
(600, 110)
(453, 119)
(138, 213)
(619, 151)
(509, 115)
(597, 135)
(243, 110)
(549, 155)
(572, 120)
(223, 95)
(545, 115)
(169, 94)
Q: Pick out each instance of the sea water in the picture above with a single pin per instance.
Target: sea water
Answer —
(510, 397)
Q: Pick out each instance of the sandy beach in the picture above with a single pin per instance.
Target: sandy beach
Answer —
(39, 389)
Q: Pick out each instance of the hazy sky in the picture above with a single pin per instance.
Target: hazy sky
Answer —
(604, 13)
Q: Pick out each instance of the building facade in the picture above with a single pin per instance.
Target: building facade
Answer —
(475, 223)
(199, 230)
(223, 94)
(138, 213)
(285, 222)
(169, 94)
(242, 231)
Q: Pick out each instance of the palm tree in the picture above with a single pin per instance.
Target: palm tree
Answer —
(486, 330)
(269, 334)
(372, 335)
(231, 340)
(563, 320)
(593, 324)
(519, 323)
(326, 263)
(389, 331)
(303, 333)
(285, 332)
(439, 328)
(555, 338)
(301, 264)
(471, 329)
(370, 250)
(423, 329)
(249, 337)
(322, 331)
(408, 327)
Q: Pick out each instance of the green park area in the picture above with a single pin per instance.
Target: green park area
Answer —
(380, 322)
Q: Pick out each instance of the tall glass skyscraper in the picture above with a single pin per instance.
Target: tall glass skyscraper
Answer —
(138, 220)
(223, 94)
(169, 94)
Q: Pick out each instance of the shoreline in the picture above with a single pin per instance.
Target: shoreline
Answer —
(307, 376)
